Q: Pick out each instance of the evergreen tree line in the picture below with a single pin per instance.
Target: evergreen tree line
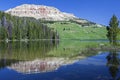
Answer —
(16, 28)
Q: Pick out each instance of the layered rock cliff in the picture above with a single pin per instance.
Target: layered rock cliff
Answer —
(40, 12)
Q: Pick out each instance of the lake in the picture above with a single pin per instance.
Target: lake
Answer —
(58, 60)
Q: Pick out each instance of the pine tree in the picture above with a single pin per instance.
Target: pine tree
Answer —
(0, 23)
(113, 30)
(10, 30)
(4, 21)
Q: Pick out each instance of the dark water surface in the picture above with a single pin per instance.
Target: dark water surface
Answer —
(36, 61)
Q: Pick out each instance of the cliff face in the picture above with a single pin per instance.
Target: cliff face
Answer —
(47, 13)
(40, 12)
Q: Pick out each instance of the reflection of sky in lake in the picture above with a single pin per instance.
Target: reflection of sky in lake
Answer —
(98, 60)
(92, 68)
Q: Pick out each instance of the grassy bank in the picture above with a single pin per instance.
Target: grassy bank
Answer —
(74, 31)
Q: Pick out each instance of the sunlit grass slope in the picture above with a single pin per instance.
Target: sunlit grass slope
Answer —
(75, 31)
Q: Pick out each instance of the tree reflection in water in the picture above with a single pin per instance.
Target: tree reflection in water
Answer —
(113, 62)
(13, 52)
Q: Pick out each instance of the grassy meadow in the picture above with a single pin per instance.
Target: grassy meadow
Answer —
(70, 30)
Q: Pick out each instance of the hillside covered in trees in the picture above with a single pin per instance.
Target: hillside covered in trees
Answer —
(16, 28)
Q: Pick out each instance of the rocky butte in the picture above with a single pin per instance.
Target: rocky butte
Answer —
(40, 12)
(47, 13)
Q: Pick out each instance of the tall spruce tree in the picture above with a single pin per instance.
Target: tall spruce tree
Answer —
(113, 30)
(9, 30)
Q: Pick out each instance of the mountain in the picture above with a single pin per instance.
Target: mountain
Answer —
(40, 12)
(47, 13)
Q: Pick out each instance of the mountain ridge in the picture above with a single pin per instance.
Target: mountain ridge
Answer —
(48, 13)
(40, 12)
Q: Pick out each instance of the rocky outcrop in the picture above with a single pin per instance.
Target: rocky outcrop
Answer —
(40, 12)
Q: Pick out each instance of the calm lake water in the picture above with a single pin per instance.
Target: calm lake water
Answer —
(51, 60)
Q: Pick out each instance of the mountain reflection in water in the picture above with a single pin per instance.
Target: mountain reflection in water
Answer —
(38, 66)
(47, 60)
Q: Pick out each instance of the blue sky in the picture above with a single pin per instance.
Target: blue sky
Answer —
(99, 11)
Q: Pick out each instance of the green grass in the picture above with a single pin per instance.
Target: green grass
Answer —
(67, 31)
(66, 48)
(75, 31)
